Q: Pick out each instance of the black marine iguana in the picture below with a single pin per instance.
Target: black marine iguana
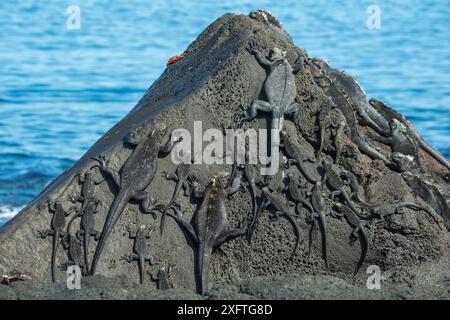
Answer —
(135, 176)
(57, 230)
(400, 141)
(390, 113)
(209, 226)
(430, 194)
(162, 278)
(279, 88)
(181, 175)
(281, 208)
(358, 232)
(387, 209)
(235, 183)
(357, 190)
(337, 184)
(140, 249)
(88, 208)
(297, 195)
(341, 101)
(88, 229)
(75, 254)
(353, 91)
(341, 128)
(247, 171)
(325, 122)
(320, 210)
(297, 156)
(87, 191)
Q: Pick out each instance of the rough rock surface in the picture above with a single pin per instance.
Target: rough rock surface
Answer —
(216, 79)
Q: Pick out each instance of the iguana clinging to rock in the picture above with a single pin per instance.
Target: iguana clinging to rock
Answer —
(135, 176)
(209, 226)
(279, 87)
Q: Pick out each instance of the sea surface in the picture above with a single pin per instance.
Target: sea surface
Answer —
(61, 89)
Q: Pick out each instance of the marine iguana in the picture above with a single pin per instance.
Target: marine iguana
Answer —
(235, 183)
(387, 209)
(244, 171)
(88, 183)
(339, 136)
(430, 194)
(279, 88)
(250, 177)
(269, 199)
(297, 195)
(135, 176)
(208, 230)
(390, 113)
(358, 232)
(140, 249)
(266, 17)
(57, 230)
(181, 176)
(337, 184)
(320, 210)
(368, 115)
(162, 278)
(75, 254)
(341, 101)
(297, 156)
(325, 122)
(88, 229)
(358, 192)
(400, 141)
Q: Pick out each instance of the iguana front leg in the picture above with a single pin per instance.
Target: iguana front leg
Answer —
(130, 258)
(148, 204)
(106, 169)
(292, 110)
(376, 137)
(253, 49)
(170, 176)
(168, 146)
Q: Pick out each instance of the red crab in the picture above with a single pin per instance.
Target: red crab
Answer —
(176, 58)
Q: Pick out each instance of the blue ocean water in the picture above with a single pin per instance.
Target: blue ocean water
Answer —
(61, 89)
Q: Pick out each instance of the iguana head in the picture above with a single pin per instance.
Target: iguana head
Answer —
(218, 181)
(404, 162)
(266, 17)
(276, 54)
(327, 165)
(397, 126)
(159, 130)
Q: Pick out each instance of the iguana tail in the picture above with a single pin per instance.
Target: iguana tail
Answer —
(115, 212)
(364, 248)
(323, 231)
(417, 207)
(141, 268)
(86, 238)
(204, 255)
(54, 251)
(349, 202)
(432, 152)
(303, 170)
(296, 230)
